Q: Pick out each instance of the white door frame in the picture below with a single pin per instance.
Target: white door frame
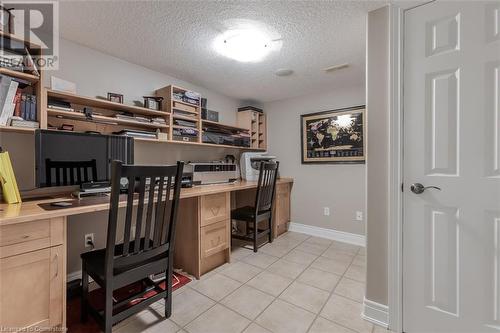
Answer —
(395, 229)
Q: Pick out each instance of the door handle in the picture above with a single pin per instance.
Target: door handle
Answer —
(418, 188)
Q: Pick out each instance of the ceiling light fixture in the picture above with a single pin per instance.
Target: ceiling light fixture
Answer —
(247, 41)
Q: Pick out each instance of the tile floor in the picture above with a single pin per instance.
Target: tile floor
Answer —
(296, 284)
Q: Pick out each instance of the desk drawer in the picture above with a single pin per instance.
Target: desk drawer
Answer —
(215, 208)
(30, 236)
(214, 238)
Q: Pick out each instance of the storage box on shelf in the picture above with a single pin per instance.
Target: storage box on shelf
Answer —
(256, 123)
(107, 117)
(30, 80)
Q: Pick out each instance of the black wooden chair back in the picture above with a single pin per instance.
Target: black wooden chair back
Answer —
(70, 172)
(266, 186)
(157, 201)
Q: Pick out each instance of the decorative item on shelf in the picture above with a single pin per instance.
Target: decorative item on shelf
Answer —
(161, 136)
(116, 98)
(335, 136)
(153, 102)
(62, 85)
(88, 113)
(6, 20)
(209, 115)
(8, 91)
(67, 127)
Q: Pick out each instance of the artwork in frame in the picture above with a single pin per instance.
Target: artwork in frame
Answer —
(336, 136)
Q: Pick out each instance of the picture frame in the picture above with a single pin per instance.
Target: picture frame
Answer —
(116, 98)
(334, 136)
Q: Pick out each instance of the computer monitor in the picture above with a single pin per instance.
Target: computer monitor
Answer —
(56, 150)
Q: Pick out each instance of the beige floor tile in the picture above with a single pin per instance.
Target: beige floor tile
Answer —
(333, 253)
(238, 253)
(345, 247)
(300, 257)
(347, 313)
(318, 241)
(218, 319)
(312, 248)
(241, 271)
(295, 235)
(248, 301)
(217, 286)
(188, 305)
(282, 317)
(286, 268)
(319, 279)
(321, 325)
(359, 260)
(306, 297)
(330, 265)
(357, 273)
(270, 283)
(260, 260)
(254, 328)
(274, 249)
(151, 321)
(352, 289)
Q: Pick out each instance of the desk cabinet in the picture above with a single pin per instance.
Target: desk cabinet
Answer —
(32, 275)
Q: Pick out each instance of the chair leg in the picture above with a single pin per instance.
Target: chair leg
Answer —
(270, 230)
(168, 298)
(255, 232)
(108, 310)
(85, 290)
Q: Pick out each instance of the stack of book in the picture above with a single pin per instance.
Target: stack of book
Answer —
(17, 108)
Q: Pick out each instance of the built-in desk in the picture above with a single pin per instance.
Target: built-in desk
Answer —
(33, 245)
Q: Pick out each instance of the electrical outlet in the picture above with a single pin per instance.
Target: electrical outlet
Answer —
(359, 216)
(89, 240)
(326, 211)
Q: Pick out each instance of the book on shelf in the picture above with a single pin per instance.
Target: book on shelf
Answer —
(8, 91)
(136, 133)
(20, 122)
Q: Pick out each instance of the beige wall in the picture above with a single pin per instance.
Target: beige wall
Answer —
(96, 74)
(340, 187)
(377, 100)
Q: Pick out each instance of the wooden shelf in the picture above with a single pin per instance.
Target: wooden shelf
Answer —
(104, 104)
(17, 129)
(20, 75)
(217, 124)
(200, 144)
(97, 118)
(176, 116)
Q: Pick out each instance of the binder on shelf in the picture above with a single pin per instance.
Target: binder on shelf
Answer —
(10, 191)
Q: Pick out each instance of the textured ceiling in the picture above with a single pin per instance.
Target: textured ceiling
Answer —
(175, 37)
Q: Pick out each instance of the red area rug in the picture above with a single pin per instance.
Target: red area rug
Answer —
(96, 298)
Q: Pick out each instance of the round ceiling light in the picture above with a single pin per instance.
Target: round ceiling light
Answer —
(246, 41)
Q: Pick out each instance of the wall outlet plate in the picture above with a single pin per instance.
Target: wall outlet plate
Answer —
(89, 240)
(359, 216)
(326, 211)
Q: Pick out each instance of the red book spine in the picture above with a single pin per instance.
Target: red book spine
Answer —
(17, 102)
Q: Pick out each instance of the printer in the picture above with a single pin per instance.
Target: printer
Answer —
(250, 162)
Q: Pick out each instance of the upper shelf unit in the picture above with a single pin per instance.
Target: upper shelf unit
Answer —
(256, 122)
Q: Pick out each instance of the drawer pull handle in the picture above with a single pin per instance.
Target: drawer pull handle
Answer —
(218, 242)
(215, 210)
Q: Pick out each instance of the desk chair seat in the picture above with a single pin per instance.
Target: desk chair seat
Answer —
(147, 251)
(262, 210)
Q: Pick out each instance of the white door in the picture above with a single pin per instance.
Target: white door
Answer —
(451, 242)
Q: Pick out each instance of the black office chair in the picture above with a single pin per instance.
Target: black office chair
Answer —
(149, 251)
(263, 208)
(69, 170)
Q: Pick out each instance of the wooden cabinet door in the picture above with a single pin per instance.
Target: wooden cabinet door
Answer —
(282, 209)
(32, 288)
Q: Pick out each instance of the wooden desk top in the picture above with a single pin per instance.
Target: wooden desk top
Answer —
(30, 210)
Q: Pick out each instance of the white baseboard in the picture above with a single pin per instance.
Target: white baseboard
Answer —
(340, 236)
(375, 313)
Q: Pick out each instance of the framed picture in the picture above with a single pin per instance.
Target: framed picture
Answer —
(117, 98)
(336, 136)
(153, 102)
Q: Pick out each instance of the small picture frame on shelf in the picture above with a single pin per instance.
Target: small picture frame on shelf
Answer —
(153, 102)
(116, 98)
